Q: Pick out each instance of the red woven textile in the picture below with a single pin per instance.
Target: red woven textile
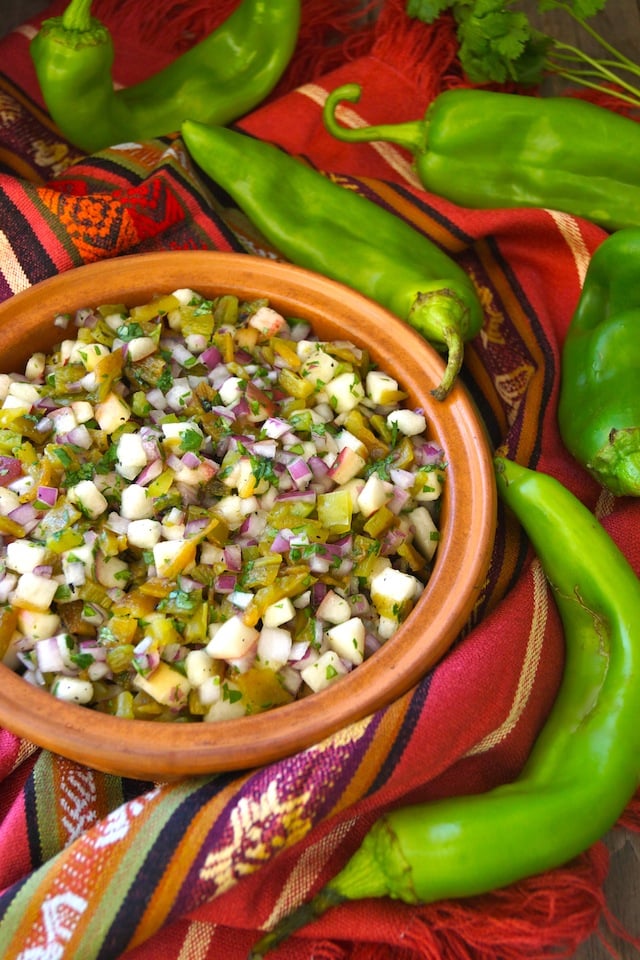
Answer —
(92, 866)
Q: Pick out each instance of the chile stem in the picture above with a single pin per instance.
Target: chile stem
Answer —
(440, 316)
(412, 134)
(77, 16)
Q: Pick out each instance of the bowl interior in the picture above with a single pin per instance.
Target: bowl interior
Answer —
(149, 750)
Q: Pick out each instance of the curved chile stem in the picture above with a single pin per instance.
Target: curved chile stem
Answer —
(412, 135)
(441, 317)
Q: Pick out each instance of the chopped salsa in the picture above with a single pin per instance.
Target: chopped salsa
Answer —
(205, 510)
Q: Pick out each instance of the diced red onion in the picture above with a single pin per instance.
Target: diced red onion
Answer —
(341, 547)
(191, 460)
(93, 649)
(47, 495)
(428, 454)
(300, 331)
(26, 515)
(359, 605)
(117, 523)
(401, 478)
(225, 583)
(391, 541)
(85, 317)
(241, 408)
(319, 563)
(233, 558)
(190, 585)
(318, 467)
(318, 593)
(298, 650)
(398, 500)
(275, 427)
(241, 356)
(253, 526)
(157, 399)
(371, 643)
(281, 541)
(300, 472)
(195, 526)
(211, 357)
(265, 448)
(150, 472)
(174, 462)
(181, 355)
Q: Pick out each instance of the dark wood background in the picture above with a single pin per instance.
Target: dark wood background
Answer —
(620, 24)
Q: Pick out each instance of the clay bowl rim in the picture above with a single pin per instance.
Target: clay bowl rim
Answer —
(158, 751)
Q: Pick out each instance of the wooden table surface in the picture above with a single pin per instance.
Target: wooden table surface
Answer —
(620, 24)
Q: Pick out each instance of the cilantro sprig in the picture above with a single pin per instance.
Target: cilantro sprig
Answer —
(499, 44)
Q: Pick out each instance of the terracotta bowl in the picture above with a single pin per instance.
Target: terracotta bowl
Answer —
(148, 750)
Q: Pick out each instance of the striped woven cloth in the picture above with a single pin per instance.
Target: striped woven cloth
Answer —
(95, 867)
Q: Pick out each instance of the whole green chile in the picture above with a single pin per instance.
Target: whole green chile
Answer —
(584, 766)
(484, 149)
(599, 405)
(341, 234)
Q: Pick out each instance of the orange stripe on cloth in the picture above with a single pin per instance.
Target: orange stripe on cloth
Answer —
(418, 213)
(19, 166)
(82, 797)
(56, 903)
(162, 901)
(350, 118)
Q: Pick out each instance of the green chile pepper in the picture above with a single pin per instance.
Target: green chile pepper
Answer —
(318, 224)
(599, 406)
(216, 81)
(484, 149)
(584, 766)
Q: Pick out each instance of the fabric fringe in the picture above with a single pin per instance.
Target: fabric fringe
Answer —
(332, 32)
(630, 819)
(542, 917)
(425, 54)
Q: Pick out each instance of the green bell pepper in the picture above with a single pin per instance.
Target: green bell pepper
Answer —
(599, 405)
(218, 80)
(484, 149)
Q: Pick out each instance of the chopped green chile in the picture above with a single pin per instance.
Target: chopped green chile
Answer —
(205, 510)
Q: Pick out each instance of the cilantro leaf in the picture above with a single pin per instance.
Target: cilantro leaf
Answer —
(190, 439)
(493, 42)
(499, 44)
(428, 10)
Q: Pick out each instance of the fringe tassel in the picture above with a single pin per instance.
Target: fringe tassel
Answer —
(543, 917)
(630, 819)
(425, 54)
(332, 32)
